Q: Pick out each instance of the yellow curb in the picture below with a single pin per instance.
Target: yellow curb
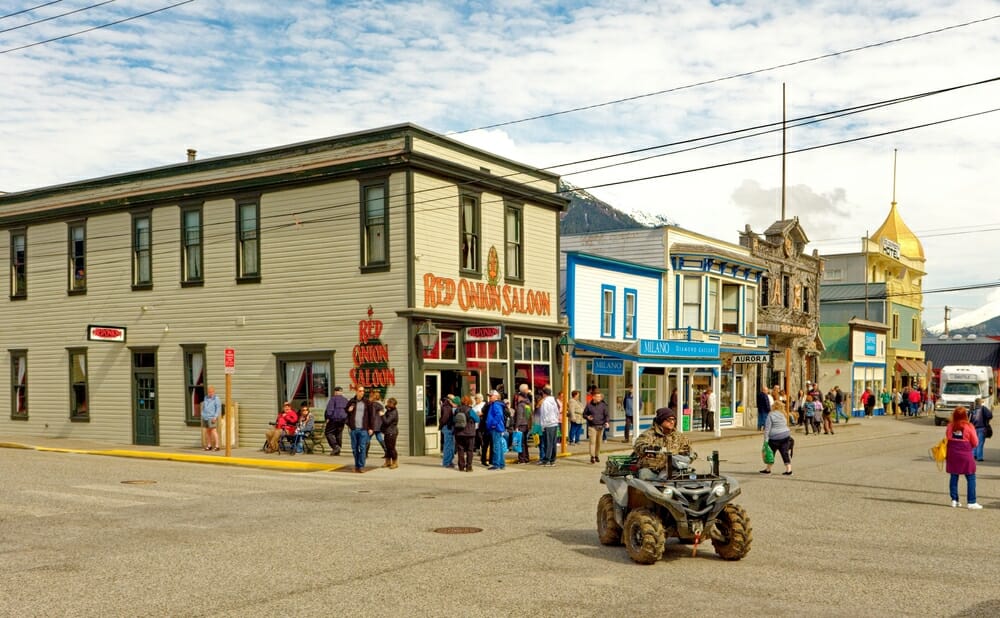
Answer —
(299, 466)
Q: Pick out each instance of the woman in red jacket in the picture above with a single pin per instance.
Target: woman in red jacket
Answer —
(962, 439)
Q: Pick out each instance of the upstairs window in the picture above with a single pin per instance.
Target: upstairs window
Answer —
(786, 291)
(691, 299)
(805, 299)
(730, 308)
(469, 242)
(374, 220)
(765, 290)
(191, 246)
(18, 264)
(712, 323)
(607, 311)
(750, 307)
(77, 256)
(248, 241)
(630, 309)
(513, 233)
(142, 251)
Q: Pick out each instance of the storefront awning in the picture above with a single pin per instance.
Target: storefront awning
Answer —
(911, 367)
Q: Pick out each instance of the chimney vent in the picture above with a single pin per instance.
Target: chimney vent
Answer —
(192, 154)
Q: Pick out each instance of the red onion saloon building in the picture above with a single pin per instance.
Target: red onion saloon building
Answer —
(395, 258)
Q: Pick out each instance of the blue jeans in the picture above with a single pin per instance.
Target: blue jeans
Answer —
(499, 447)
(970, 485)
(977, 452)
(359, 446)
(447, 446)
(575, 432)
(840, 412)
(549, 454)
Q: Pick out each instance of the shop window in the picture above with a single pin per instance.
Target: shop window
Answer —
(487, 364)
(77, 257)
(445, 348)
(142, 251)
(513, 234)
(79, 396)
(192, 251)
(374, 225)
(19, 384)
(607, 311)
(194, 380)
(248, 241)
(304, 380)
(18, 264)
(630, 309)
(691, 310)
(730, 308)
(469, 243)
(532, 357)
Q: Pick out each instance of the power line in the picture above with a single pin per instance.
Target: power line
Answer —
(45, 19)
(28, 10)
(887, 295)
(107, 25)
(731, 77)
(449, 197)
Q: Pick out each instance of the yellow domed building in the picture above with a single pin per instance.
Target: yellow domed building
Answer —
(881, 284)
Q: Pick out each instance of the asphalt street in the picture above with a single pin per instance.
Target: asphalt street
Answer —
(863, 527)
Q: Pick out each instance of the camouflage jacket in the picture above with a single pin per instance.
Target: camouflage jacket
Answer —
(676, 443)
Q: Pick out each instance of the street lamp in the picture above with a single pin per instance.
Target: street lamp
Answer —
(427, 335)
(566, 346)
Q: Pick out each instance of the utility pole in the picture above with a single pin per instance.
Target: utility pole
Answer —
(783, 151)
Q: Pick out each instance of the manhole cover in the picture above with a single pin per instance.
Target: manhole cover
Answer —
(458, 530)
(139, 482)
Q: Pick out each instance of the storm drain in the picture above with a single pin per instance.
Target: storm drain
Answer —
(139, 482)
(458, 530)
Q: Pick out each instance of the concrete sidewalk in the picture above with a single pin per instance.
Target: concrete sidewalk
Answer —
(255, 458)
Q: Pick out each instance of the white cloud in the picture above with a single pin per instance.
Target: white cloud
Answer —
(226, 77)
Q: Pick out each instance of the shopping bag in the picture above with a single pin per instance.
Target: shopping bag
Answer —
(767, 453)
(939, 452)
(517, 444)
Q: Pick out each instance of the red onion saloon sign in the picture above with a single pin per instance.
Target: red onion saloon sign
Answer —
(371, 358)
(106, 333)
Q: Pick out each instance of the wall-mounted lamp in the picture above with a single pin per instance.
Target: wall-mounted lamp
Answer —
(427, 335)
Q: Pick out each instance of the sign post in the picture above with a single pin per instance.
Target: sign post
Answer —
(230, 369)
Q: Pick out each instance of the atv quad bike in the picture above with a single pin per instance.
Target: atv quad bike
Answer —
(642, 509)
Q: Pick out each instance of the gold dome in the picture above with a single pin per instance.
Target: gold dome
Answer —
(895, 230)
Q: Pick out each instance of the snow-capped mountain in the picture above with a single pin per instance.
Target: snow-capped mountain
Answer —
(649, 219)
(975, 321)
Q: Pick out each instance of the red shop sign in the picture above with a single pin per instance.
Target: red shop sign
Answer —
(484, 333)
(106, 333)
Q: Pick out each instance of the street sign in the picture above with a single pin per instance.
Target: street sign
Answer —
(230, 361)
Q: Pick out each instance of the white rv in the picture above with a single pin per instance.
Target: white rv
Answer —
(960, 385)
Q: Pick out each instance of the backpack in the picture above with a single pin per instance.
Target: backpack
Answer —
(460, 419)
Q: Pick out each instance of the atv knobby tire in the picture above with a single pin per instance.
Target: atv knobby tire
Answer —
(733, 525)
(608, 530)
(644, 536)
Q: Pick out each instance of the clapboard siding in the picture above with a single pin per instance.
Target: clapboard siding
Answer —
(587, 302)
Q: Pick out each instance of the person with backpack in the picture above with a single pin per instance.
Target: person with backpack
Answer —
(980, 417)
(336, 418)
(447, 432)
(464, 422)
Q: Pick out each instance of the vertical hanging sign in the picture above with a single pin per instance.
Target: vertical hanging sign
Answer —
(371, 358)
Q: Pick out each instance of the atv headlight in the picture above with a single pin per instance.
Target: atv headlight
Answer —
(668, 492)
(719, 491)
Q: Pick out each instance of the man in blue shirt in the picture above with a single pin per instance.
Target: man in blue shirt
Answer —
(497, 426)
(210, 411)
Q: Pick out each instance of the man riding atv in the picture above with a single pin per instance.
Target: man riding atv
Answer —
(653, 445)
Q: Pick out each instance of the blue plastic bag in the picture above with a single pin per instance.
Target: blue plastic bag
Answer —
(517, 443)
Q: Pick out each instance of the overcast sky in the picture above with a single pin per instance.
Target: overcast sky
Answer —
(228, 77)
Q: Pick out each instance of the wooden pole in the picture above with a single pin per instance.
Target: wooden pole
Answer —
(565, 402)
(230, 417)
